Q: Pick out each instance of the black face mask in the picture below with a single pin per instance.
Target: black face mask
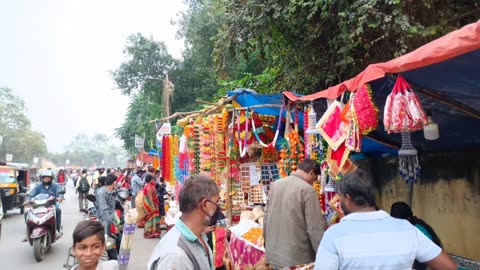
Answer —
(47, 184)
(214, 217)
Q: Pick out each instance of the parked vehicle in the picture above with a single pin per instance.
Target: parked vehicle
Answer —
(41, 225)
(13, 185)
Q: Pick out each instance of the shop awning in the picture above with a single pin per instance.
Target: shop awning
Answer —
(445, 75)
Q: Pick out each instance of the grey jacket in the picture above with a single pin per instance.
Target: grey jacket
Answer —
(105, 203)
(293, 223)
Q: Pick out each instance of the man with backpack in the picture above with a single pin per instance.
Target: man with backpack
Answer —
(83, 187)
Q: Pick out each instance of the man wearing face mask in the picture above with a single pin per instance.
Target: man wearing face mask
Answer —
(216, 235)
(294, 224)
(185, 245)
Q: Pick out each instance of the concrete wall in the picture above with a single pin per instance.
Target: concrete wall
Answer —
(448, 198)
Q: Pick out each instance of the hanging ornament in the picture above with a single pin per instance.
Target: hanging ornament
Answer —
(312, 121)
(254, 130)
(408, 165)
(243, 151)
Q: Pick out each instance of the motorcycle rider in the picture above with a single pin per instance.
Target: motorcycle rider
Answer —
(51, 189)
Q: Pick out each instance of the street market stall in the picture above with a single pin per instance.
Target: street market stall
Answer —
(247, 140)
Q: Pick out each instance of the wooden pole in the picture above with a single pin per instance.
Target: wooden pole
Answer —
(229, 195)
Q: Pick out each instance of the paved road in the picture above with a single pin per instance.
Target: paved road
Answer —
(19, 256)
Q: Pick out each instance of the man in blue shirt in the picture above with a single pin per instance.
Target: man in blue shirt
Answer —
(52, 189)
(369, 239)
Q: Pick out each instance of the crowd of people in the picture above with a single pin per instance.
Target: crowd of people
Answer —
(295, 232)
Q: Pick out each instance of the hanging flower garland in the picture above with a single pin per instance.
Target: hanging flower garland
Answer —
(206, 145)
(282, 168)
(196, 146)
(306, 138)
(183, 158)
(220, 151)
(231, 136)
(173, 153)
(164, 159)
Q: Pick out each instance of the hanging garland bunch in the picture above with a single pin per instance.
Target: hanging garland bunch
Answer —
(282, 163)
(184, 153)
(196, 146)
(206, 145)
(165, 156)
(220, 151)
(306, 137)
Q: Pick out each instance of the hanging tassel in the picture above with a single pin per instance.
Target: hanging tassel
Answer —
(408, 165)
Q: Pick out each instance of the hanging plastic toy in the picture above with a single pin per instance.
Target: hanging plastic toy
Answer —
(408, 165)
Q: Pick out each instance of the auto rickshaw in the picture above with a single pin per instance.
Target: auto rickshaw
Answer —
(13, 185)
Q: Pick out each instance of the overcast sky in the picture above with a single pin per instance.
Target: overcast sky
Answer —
(57, 55)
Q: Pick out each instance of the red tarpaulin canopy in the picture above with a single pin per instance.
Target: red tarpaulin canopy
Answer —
(461, 41)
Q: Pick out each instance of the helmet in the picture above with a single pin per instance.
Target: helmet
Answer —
(123, 194)
(44, 174)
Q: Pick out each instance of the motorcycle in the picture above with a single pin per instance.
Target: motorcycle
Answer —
(41, 225)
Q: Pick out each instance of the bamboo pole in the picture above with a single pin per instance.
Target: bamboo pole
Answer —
(229, 195)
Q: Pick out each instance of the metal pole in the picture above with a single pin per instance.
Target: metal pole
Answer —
(410, 194)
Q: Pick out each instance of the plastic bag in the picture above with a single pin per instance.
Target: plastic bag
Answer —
(403, 111)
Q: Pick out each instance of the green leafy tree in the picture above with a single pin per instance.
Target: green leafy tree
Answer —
(18, 137)
(314, 44)
(140, 77)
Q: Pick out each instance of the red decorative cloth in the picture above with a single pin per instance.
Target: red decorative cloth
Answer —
(220, 246)
(365, 111)
(332, 127)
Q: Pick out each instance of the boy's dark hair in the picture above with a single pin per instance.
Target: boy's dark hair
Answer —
(86, 229)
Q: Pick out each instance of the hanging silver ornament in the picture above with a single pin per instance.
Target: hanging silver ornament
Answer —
(408, 165)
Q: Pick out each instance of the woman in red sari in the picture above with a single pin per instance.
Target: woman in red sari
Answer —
(150, 205)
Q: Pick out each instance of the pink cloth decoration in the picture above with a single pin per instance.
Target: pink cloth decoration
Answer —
(244, 254)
